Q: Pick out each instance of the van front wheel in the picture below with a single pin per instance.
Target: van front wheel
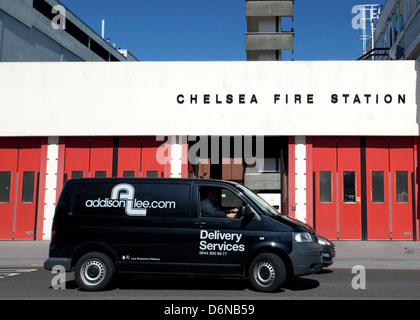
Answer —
(94, 271)
(267, 272)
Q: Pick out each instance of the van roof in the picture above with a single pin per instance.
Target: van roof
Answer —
(166, 180)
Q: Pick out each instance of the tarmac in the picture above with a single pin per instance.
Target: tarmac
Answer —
(384, 254)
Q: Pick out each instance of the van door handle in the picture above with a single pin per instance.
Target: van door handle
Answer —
(201, 223)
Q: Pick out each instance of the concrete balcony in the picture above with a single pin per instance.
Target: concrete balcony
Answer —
(278, 8)
(263, 181)
(260, 41)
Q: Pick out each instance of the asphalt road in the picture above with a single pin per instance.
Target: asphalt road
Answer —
(331, 284)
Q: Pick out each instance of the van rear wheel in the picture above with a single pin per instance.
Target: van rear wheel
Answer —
(94, 271)
(267, 272)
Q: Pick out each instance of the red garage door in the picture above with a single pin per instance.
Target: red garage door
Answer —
(9, 149)
(364, 187)
(19, 185)
(88, 157)
(325, 167)
(336, 163)
(349, 188)
(107, 156)
(101, 152)
(77, 158)
(377, 186)
(150, 166)
(401, 173)
(129, 156)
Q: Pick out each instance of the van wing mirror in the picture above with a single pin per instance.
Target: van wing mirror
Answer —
(247, 211)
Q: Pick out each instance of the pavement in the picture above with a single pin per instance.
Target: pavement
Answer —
(369, 254)
(372, 254)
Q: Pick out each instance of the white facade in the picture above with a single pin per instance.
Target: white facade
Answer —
(209, 98)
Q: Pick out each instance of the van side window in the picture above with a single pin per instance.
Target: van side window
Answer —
(137, 200)
(217, 202)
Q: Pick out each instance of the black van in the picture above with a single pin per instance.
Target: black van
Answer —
(193, 227)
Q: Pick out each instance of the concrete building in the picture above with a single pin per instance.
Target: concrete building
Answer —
(266, 39)
(45, 30)
(397, 32)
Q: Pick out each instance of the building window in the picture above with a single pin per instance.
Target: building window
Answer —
(325, 190)
(77, 174)
(401, 184)
(100, 174)
(377, 186)
(5, 180)
(349, 186)
(152, 174)
(28, 186)
(128, 174)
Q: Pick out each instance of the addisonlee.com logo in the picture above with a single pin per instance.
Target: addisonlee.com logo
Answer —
(123, 196)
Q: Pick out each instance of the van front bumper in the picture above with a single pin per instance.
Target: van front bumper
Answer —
(306, 258)
(50, 263)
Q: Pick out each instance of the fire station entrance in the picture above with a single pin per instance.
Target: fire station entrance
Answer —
(364, 187)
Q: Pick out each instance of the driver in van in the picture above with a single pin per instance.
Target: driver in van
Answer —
(209, 209)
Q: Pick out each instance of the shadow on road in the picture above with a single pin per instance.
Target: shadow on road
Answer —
(183, 283)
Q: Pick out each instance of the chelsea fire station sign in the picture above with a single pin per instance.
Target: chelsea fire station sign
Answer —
(210, 98)
(365, 98)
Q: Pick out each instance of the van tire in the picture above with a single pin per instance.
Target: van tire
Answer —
(94, 271)
(267, 272)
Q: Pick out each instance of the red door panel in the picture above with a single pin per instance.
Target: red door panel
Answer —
(377, 186)
(8, 167)
(324, 166)
(77, 154)
(401, 165)
(150, 167)
(29, 167)
(129, 154)
(101, 157)
(349, 188)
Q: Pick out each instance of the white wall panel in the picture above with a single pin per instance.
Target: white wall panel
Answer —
(141, 98)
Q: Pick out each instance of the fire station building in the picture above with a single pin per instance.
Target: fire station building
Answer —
(333, 144)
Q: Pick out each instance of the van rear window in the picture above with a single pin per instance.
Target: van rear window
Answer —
(136, 199)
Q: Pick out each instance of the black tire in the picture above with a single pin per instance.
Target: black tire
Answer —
(267, 272)
(94, 271)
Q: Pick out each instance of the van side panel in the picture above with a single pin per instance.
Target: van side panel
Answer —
(145, 225)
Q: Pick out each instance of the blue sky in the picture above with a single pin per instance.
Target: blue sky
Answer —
(214, 30)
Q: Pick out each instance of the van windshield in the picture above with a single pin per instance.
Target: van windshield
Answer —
(260, 202)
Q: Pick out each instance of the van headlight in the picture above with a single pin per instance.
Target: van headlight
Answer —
(323, 242)
(302, 237)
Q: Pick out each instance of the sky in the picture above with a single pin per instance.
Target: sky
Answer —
(214, 30)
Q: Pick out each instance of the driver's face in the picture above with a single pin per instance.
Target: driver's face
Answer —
(212, 196)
